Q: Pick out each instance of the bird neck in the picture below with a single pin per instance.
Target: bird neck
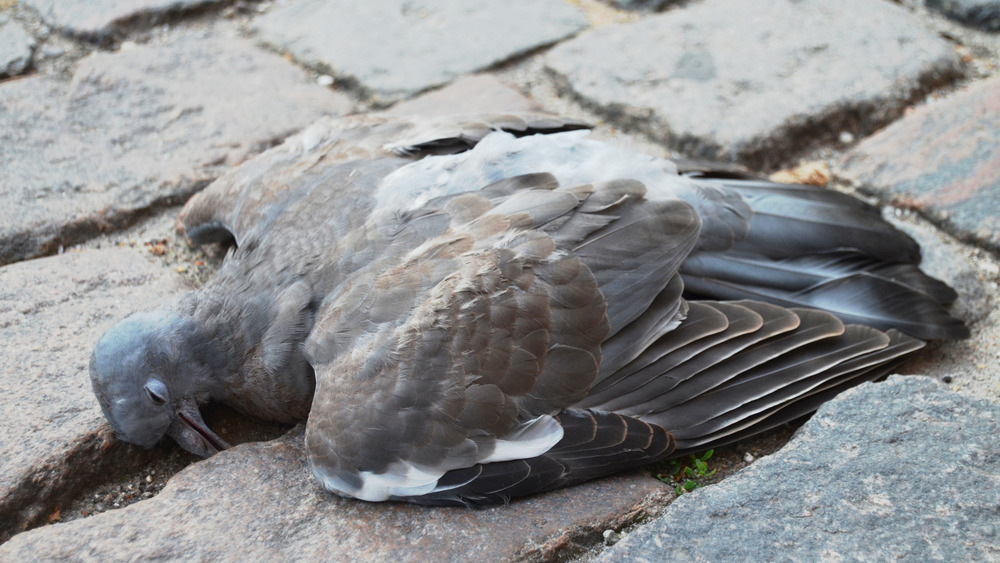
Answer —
(227, 331)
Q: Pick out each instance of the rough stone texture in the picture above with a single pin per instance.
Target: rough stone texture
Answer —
(419, 44)
(15, 47)
(470, 94)
(260, 502)
(984, 14)
(943, 160)
(755, 81)
(944, 259)
(968, 366)
(97, 19)
(52, 310)
(894, 471)
(143, 127)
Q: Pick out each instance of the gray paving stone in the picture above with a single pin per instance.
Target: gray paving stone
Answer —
(945, 259)
(896, 471)
(757, 82)
(53, 439)
(943, 160)
(98, 20)
(395, 48)
(480, 93)
(139, 128)
(984, 14)
(259, 502)
(16, 46)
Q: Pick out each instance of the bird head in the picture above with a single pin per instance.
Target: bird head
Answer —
(149, 375)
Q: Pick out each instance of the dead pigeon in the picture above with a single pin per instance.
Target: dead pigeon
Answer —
(468, 310)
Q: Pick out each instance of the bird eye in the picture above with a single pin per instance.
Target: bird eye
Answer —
(156, 391)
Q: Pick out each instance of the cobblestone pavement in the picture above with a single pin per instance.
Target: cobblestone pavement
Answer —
(113, 113)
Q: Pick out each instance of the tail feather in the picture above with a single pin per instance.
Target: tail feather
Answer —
(803, 272)
(811, 247)
(858, 298)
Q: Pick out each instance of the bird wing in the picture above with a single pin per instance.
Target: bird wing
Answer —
(727, 372)
(464, 351)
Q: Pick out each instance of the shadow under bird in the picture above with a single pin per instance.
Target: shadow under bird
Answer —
(472, 309)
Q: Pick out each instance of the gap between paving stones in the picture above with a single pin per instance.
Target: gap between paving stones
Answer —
(785, 144)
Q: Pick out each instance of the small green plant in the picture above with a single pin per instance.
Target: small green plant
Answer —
(684, 473)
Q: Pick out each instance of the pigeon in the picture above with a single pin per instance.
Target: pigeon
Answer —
(469, 309)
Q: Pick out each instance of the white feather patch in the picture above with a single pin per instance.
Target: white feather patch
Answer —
(572, 157)
(402, 480)
(531, 439)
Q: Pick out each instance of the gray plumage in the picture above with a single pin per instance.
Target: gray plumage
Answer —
(472, 309)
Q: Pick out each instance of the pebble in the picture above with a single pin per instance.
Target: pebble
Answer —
(611, 537)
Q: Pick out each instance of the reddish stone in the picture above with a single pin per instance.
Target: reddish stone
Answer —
(942, 160)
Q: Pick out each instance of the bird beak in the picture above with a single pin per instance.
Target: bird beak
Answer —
(192, 434)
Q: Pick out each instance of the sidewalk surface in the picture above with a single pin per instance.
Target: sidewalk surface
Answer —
(113, 113)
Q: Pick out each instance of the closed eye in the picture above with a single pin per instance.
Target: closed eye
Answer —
(156, 390)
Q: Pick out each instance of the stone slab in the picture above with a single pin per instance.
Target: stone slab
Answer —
(480, 93)
(53, 440)
(143, 127)
(418, 44)
(16, 46)
(98, 19)
(755, 82)
(896, 471)
(942, 160)
(984, 14)
(260, 502)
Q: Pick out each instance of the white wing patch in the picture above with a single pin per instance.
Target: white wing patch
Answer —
(531, 439)
(403, 479)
